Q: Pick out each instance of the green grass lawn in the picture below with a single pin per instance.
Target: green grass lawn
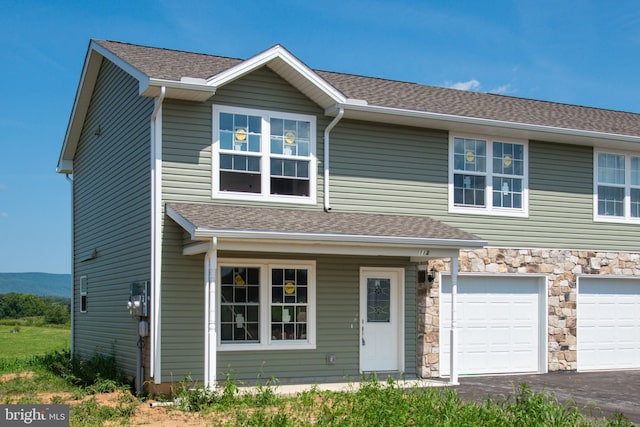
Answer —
(32, 340)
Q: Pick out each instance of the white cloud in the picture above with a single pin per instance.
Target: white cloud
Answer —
(4, 215)
(501, 90)
(472, 84)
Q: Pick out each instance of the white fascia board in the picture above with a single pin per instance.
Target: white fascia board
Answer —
(201, 90)
(142, 78)
(454, 120)
(181, 221)
(335, 238)
(276, 52)
(81, 101)
(416, 254)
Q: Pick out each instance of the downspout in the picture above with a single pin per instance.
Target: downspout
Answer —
(327, 204)
(210, 314)
(156, 238)
(453, 378)
(73, 290)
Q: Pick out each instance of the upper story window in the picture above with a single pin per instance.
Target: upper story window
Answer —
(617, 186)
(488, 176)
(266, 155)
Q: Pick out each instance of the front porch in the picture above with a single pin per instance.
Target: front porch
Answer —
(324, 323)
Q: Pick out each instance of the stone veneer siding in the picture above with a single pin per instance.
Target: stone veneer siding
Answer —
(562, 268)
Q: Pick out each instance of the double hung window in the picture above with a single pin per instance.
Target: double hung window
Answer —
(617, 186)
(488, 176)
(266, 305)
(264, 155)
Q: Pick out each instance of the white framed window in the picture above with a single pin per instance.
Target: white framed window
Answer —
(264, 155)
(83, 293)
(488, 176)
(616, 186)
(266, 304)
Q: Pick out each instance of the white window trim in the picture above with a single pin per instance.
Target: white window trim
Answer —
(266, 343)
(84, 293)
(266, 153)
(489, 209)
(627, 218)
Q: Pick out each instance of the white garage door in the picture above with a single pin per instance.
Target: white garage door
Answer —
(499, 324)
(608, 323)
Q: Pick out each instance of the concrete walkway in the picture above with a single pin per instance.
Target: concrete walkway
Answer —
(293, 389)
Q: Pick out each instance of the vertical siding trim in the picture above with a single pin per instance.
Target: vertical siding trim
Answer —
(210, 314)
(156, 234)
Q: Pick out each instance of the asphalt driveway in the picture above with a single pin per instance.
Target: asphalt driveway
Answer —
(600, 394)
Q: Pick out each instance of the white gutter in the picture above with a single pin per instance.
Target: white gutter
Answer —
(452, 118)
(327, 204)
(453, 344)
(156, 237)
(210, 315)
(73, 290)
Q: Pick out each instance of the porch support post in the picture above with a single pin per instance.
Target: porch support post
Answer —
(210, 338)
(453, 379)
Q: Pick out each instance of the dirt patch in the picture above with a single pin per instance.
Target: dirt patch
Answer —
(10, 377)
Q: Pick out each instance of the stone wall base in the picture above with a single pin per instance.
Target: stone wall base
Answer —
(562, 267)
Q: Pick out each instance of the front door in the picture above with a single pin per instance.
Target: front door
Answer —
(381, 311)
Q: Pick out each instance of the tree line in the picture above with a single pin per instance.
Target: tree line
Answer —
(54, 310)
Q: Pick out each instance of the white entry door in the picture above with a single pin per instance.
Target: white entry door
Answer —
(381, 312)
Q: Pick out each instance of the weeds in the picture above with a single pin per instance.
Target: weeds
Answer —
(374, 403)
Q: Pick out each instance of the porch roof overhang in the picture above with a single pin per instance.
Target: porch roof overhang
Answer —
(260, 229)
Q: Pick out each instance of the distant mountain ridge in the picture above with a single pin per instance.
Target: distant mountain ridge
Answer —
(44, 284)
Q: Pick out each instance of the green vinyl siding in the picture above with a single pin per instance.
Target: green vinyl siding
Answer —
(187, 133)
(413, 181)
(388, 169)
(111, 215)
(337, 314)
(560, 207)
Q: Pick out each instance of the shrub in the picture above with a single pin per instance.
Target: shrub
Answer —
(99, 374)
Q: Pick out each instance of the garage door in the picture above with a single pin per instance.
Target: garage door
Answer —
(500, 324)
(608, 323)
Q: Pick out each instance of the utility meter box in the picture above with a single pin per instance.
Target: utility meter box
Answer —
(138, 304)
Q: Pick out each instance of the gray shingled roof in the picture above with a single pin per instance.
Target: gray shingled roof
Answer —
(314, 222)
(172, 65)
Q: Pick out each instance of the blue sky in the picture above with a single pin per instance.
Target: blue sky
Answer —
(578, 52)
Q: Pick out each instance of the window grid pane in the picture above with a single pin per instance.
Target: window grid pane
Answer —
(610, 201)
(635, 171)
(507, 193)
(289, 305)
(290, 137)
(469, 190)
(470, 155)
(508, 159)
(240, 304)
(240, 132)
(635, 203)
(611, 168)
